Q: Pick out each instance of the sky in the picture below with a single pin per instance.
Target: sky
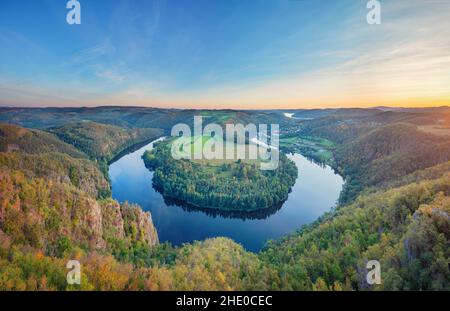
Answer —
(243, 54)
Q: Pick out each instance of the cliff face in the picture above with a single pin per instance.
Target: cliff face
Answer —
(138, 225)
(41, 213)
(108, 221)
(127, 222)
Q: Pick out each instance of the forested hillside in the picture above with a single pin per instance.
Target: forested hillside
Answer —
(407, 229)
(59, 168)
(54, 205)
(15, 138)
(131, 117)
(388, 153)
(102, 142)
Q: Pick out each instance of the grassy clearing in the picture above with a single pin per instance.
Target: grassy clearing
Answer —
(440, 130)
(187, 149)
(219, 115)
(316, 148)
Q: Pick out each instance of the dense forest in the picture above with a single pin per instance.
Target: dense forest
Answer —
(370, 151)
(232, 185)
(15, 138)
(103, 142)
(54, 206)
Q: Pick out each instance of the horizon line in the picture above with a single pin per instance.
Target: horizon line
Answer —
(222, 109)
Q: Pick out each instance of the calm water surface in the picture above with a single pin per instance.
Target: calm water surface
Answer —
(316, 191)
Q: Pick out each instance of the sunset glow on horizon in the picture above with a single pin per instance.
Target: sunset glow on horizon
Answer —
(225, 54)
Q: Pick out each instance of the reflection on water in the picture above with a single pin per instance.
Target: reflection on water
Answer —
(258, 214)
(315, 192)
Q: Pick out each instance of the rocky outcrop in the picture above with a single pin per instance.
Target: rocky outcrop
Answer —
(112, 220)
(109, 220)
(138, 224)
(94, 221)
(55, 216)
(127, 221)
(145, 226)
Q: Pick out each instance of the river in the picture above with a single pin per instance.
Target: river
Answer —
(315, 192)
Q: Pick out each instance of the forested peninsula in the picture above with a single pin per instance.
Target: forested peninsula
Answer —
(238, 185)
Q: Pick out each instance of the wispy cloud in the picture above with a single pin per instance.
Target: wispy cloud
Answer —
(112, 74)
(99, 61)
(93, 53)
